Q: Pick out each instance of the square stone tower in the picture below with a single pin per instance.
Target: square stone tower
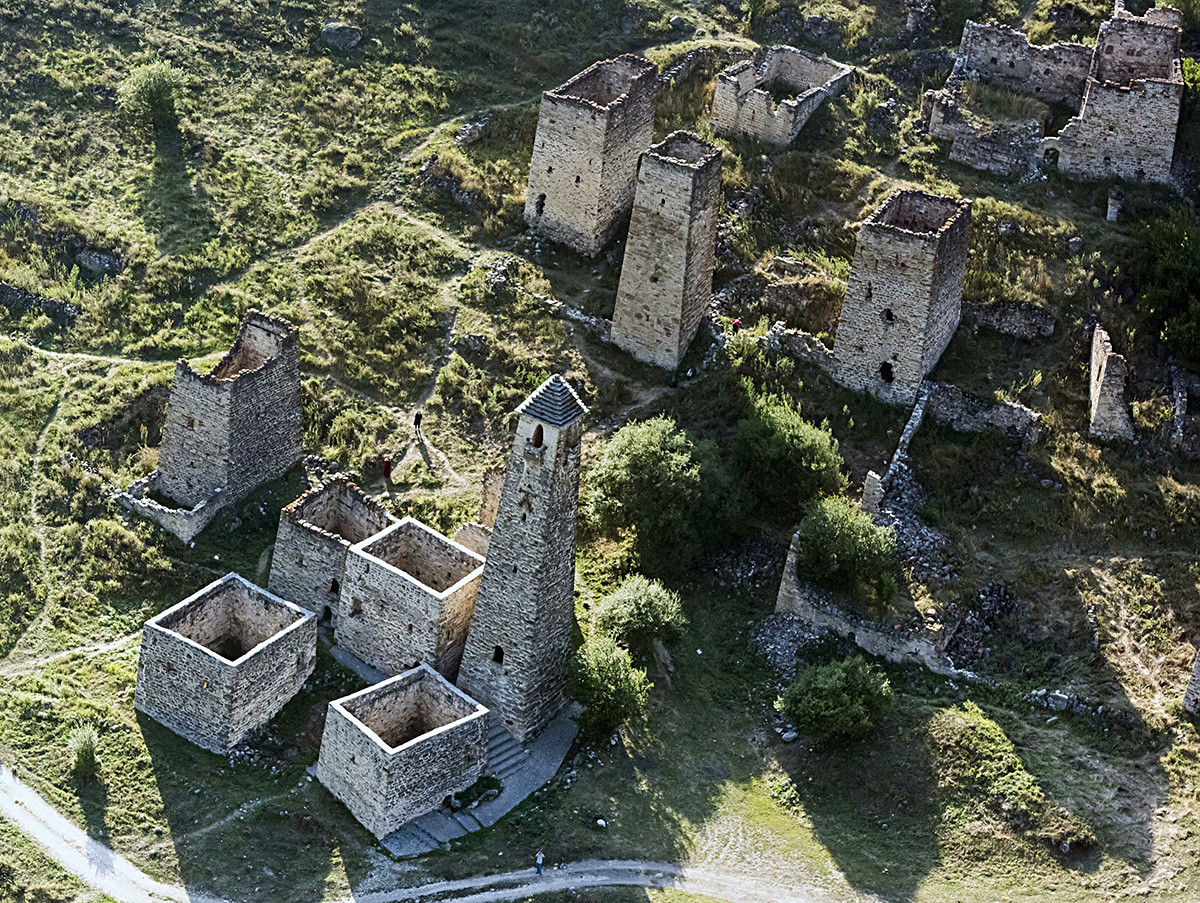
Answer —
(520, 638)
(904, 297)
(666, 278)
(591, 131)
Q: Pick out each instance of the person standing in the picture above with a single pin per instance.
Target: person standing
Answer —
(539, 858)
(417, 418)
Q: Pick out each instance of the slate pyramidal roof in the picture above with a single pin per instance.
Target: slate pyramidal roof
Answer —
(554, 403)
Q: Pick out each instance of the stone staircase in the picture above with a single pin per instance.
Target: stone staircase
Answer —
(505, 755)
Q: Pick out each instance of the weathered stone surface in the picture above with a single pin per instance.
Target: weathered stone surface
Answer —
(1025, 321)
(903, 299)
(219, 665)
(1108, 415)
(396, 750)
(315, 535)
(1000, 55)
(666, 277)
(966, 413)
(341, 36)
(520, 637)
(744, 103)
(1008, 148)
(1191, 698)
(591, 132)
(407, 598)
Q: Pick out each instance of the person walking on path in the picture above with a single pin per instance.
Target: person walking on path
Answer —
(539, 858)
(417, 418)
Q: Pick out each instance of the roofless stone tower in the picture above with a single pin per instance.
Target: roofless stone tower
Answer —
(520, 638)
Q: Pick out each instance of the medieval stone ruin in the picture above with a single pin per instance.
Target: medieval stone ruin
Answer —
(1127, 92)
(1108, 415)
(772, 101)
(1191, 697)
(904, 296)
(394, 751)
(227, 431)
(219, 665)
(666, 277)
(591, 132)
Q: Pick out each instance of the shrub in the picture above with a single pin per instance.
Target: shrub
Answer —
(640, 612)
(1165, 265)
(674, 494)
(842, 548)
(148, 95)
(838, 702)
(604, 680)
(786, 459)
(82, 743)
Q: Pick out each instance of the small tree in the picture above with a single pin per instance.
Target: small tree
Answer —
(82, 743)
(1166, 268)
(149, 93)
(640, 612)
(838, 702)
(842, 548)
(604, 680)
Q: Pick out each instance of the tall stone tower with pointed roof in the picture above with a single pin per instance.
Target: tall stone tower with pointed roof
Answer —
(520, 637)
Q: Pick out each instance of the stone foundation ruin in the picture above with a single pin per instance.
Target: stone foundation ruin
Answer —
(749, 99)
(398, 749)
(591, 132)
(1108, 415)
(219, 665)
(904, 296)
(227, 431)
(666, 276)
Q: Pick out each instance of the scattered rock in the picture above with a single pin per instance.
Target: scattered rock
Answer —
(340, 36)
(789, 737)
(97, 263)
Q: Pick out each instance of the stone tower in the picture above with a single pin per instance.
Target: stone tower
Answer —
(904, 297)
(520, 637)
(591, 131)
(666, 278)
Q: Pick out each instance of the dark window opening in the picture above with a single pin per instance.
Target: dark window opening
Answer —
(1051, 157)
(411, 628)
(888, 316)
(577, 180)
(549, 169)
(356, 608)
(327, 615)
(541, 205)
(498, 655)
(886, 373)
(335, 586)
(538, 436)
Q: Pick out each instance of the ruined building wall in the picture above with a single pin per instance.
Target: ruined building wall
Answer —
(1108, 415)
(1004, 56)
(590, 133)
(666, 276)
(1191, 698)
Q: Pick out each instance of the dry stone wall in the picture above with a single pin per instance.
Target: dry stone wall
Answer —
(1108, 415)
(395, 751)
(218, 666)
(1003, 56)
(591, 131)
(1191, 698)
(666, 276)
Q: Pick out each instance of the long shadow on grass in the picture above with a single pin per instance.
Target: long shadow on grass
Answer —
(174, 208)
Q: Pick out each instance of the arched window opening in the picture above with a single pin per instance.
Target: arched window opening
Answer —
(538, 436)
(335, 586)
(886, 373)
(498, 655)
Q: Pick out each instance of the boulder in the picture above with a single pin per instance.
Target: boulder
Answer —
(340, 36)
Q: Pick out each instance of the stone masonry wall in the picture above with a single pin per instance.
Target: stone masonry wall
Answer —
(666, 277)
(1191, 698)
(383, 785)
(1108, 415)
(903, 298)
(1004, 56)
(315, 534)
(591, 131)
(204, 697)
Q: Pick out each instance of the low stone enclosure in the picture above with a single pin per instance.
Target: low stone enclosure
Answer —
(772, 101)
(397, 750)
(227, 431)
(219, 665)
(1127, 92)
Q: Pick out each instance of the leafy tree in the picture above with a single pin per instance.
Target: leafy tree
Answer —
(82, 744)
(149, 93)
(674, 494)
(786, 459)
(1166, 269)
(838, 702)
(841, 547)
(604, 680)
(640, 612)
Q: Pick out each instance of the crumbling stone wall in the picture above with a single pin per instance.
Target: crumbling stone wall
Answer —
(1003, 56)
(1025, 321)
(743, 103)
(1006, 148)
(666, 277)
(476, 535)
(591, 131)
(953, 407)
(407, 598)
(315, 534)
(1108, 415)
(1191, 698)
(218, 666)
(395, 751)
(904, 297)
(520, 637)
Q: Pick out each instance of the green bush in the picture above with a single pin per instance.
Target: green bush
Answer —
(149, 93)
(673, 494)
(838, 702)
(640, 612)
(1165, 265)
(82, 744)
(841, 547)
(786, 459)
(604, 680)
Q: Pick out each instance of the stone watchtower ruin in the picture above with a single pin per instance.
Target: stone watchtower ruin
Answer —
(666, 277)
(591, 131)
(520, 637)
(904, 297)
